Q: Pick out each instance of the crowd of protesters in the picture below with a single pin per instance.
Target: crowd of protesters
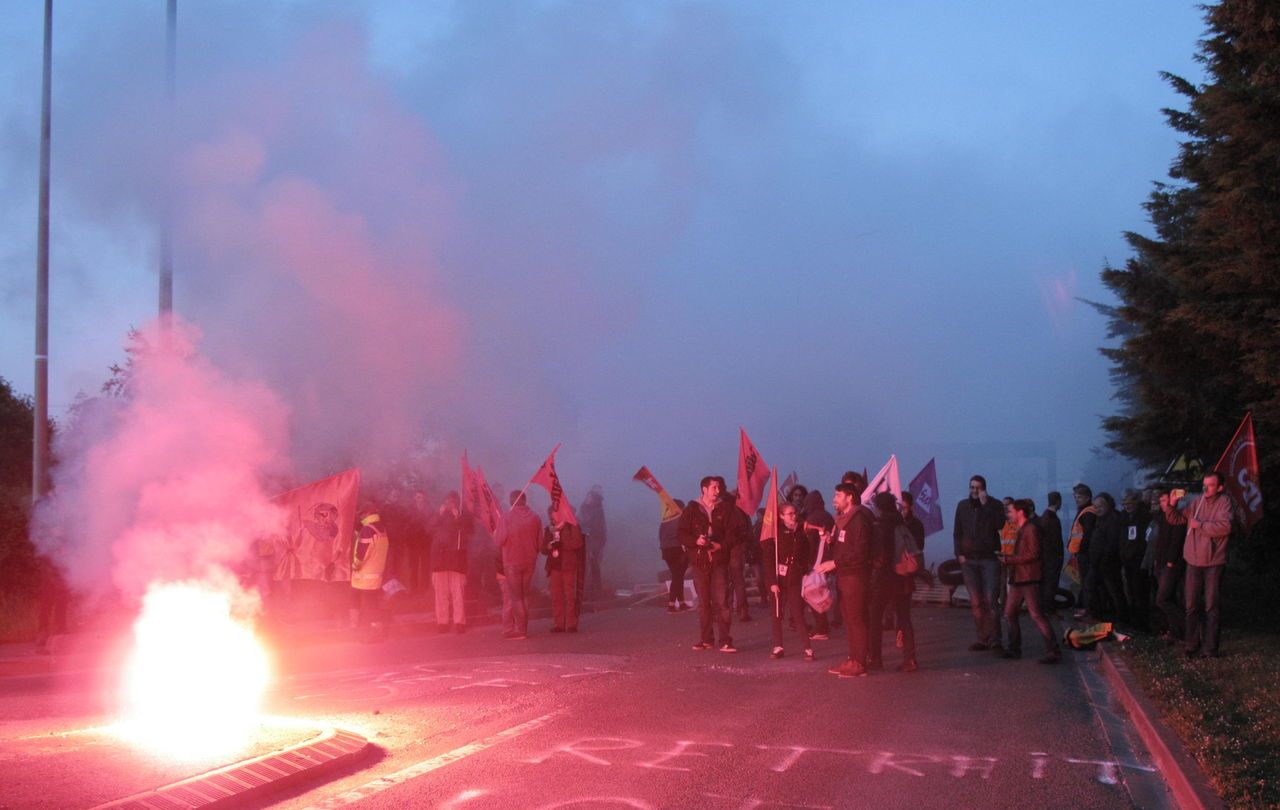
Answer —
(1154, 562)
(420, 555)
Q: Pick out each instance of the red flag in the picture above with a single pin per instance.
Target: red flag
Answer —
(670, 510)
(769, 531)
(321, 519)
(769, 524)
(752, 474)
(472, 501)
(490, 514)
(546, 477)
(1239, 466)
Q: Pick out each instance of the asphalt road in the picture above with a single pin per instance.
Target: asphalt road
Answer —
(625, 714)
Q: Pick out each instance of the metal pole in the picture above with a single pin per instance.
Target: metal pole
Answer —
(166, 236)
(40, 448)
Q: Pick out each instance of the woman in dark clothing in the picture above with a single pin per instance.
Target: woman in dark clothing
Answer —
(783, 563)
(673, 554)
(891, 591)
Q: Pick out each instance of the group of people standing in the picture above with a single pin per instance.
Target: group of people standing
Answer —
(844, 568)
(1162, 544)
(1011, 559)
(421, 548)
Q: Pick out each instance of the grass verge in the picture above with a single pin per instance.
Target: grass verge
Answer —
(1226, 710)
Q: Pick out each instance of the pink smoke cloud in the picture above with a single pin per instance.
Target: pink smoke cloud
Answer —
(165, 483)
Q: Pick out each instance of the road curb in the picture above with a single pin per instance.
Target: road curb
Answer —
(254, 779)
(1186, 780)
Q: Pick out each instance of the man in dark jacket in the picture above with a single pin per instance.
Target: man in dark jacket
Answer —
(889, 592)
(976, 531)
(1023, 565)
(1052, 554)
(1169, 569)
(563, 544)
(709, 531)
(1135, 518)
(1104, 561)
(853, 557)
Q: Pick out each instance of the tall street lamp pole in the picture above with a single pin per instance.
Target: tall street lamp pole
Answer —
(40, 452)
(166, 229)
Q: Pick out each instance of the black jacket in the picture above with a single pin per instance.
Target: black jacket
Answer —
(977, 528)
(1135, 523)
(854, 545)
(816, 517)
(1108, 533)
(449, 539)
(724, 529)
(792, 553)
(1169, 542)
(1051, 545)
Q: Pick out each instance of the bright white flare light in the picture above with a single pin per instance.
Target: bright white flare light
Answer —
(195, 678)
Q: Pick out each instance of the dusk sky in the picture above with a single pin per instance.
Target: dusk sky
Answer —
(851, 228)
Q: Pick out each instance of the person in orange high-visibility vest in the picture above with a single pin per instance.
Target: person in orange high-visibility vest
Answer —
(368, 565)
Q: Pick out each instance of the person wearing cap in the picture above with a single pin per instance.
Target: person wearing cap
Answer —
(853, 558)
(368, 565)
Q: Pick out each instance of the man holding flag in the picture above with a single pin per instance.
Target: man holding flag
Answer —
(782, 547)
(1208, 520)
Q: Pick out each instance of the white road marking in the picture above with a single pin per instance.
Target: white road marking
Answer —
(428, 765)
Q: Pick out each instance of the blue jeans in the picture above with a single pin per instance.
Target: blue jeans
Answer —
(982, 579)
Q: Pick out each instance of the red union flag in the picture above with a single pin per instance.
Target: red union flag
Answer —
(491, 513)
(752, 474)
(769, 524)
(319, 524)
(670, 511)
(472, 500)
(546, 477)
(924, 488)
(1239, 465)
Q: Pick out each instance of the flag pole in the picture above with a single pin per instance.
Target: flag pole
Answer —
(777, 536)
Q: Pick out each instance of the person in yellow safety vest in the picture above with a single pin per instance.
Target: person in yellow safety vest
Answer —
(1078, 544)
(368, 564)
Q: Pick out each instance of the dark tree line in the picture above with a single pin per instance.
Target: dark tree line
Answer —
(1198, 319)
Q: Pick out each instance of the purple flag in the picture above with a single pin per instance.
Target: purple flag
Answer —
(924, 488)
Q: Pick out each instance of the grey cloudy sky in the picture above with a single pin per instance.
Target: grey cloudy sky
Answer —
(852, 228)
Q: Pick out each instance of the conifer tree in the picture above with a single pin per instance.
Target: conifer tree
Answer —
(1199, 315)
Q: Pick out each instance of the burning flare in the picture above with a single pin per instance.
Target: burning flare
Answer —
(196, 675)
